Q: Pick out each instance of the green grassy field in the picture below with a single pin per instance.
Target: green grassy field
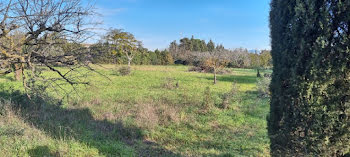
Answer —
(143, 114)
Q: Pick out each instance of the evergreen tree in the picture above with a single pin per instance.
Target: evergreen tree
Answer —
(220, 47)
(211, 46)
(153, 58)
(310, 109)
(173, 47)
(186, 44)
(158, 60)
(197, 45)
(203, 46)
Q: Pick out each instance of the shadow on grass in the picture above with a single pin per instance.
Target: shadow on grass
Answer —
(110, 138)
(232, 78)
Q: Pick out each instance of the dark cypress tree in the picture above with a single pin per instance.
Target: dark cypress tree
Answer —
(310, 108)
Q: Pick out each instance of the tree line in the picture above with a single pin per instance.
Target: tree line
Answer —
(101, 54)
(187, 52)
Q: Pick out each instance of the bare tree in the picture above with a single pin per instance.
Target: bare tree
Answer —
(214, 61)
(239, 58)
(34, 34)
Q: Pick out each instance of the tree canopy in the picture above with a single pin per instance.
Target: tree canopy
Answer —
(123, 42)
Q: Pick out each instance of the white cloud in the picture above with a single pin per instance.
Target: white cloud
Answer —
(109, 12)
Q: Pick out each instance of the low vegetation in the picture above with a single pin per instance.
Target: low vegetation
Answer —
(124, 70)
(154, 111)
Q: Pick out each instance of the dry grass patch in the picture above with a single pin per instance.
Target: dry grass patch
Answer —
(150, 115)
(147, 116)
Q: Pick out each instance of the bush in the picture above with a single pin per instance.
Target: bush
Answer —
(208, 100)
(230, 96)
(125, 70)
(263, 86)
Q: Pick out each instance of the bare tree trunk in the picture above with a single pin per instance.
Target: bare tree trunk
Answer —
(129, 63)
(129, 60)
(214, 76)
(258, 74)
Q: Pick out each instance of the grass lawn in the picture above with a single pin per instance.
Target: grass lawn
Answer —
(155, 111)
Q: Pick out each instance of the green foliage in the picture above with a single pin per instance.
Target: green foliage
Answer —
(310, 107)
(186, 52)
(192, 45)
(101, 54)
(183, 53)
(211, 46)
(124, 43)
(153, 58)
(265, 59)
(261, 60)
(167, 58)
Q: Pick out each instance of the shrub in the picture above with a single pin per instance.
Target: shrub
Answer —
(230, 96)
(208, 100)
(125, 70)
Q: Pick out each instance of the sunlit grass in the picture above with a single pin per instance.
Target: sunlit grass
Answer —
(140, 114)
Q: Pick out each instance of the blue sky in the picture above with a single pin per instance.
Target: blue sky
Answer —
(233, 23)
